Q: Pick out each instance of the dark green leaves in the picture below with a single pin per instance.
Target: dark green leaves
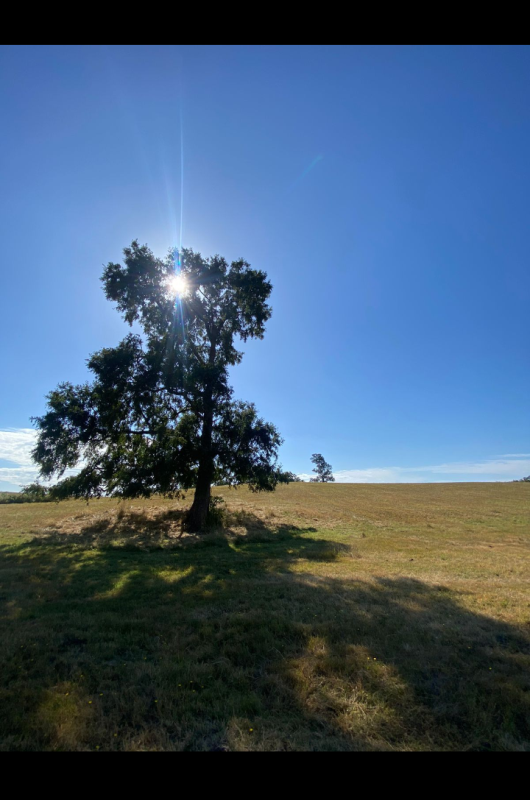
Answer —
(322, 469)
(160, 405)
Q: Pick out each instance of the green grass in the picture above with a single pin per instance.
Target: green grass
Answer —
(322, 617)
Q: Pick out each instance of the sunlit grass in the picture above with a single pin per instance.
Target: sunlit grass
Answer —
(321, 617)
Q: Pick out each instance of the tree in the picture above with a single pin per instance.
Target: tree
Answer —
(36, 493)
(291, 477)
(322, 468)
(523, 480)
(159, 416)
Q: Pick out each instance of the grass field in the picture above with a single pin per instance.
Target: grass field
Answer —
(322, 617)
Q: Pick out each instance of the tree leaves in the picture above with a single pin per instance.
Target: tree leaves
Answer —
(160, 404)
(322, 468)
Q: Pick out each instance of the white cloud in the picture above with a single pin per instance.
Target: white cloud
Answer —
(16, 445)
(19, 475)
(498, 466)
(372, 475)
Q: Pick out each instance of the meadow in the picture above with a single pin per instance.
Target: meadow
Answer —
(320, 617)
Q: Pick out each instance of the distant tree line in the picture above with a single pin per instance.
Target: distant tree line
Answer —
(35, 493)
(523, 480)
(32, 493)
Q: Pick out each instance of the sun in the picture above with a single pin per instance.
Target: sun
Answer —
(177, 285)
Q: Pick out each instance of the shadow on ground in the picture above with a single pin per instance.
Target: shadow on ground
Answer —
(140, 529)
(123, 637)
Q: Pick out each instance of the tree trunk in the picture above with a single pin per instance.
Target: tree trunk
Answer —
(197, 515)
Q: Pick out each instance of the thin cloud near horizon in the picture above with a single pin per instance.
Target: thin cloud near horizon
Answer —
(16, 445)
(497, 469)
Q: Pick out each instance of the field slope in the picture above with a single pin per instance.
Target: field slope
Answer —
(321, 617)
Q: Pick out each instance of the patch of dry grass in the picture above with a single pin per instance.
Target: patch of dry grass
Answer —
(322, 617)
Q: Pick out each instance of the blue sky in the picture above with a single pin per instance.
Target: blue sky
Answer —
(385, 190)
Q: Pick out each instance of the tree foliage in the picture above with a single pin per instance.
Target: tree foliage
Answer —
(290, 477)
(322, 469)
(159, 415)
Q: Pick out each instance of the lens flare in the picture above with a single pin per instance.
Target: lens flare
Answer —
(176, 285)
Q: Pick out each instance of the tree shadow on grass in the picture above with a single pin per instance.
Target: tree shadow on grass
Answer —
(140, 529)
(244, 641)
(136, 529)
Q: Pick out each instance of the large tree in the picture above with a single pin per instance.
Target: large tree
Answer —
(159, 416)
(323, 470)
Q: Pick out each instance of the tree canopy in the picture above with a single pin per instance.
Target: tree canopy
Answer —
(159, 416)
(322, 469)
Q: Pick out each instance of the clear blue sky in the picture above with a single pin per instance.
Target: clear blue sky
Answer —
(385, 190)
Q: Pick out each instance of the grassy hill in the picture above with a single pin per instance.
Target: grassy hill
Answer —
(321, 617)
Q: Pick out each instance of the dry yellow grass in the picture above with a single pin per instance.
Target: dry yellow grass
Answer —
(336, 617)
